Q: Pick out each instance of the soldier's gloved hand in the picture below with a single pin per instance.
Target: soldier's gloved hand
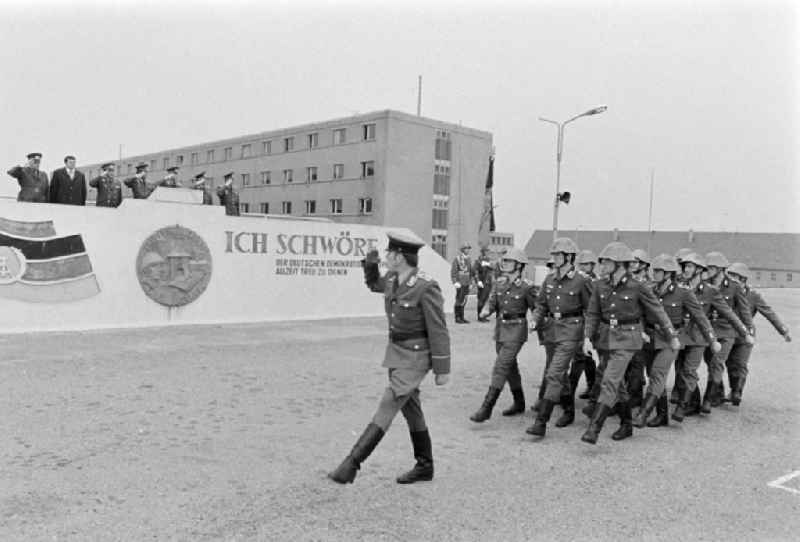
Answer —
(749, 339)
(441, 380)
(787, 337)
(532, 327)
(457, 285)
(715, 346)
(587, 346)
(480, 284)
(645, 337)
(675, 344)
(484, 314)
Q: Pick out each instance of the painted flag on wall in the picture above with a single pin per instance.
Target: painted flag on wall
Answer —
(39, 267)
(486, 224)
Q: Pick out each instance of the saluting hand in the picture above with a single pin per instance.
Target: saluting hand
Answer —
(442, 379)
(749, 339)
(457, 285)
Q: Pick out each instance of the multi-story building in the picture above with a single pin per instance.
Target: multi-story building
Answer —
(386, 168)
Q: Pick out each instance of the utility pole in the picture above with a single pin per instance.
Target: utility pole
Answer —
(419, 96)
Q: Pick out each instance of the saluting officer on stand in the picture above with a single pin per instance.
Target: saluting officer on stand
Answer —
(138, 183)
(199, 183)
(461, 273)
(228, 196)
(34, 186)
(109, 189)
(484, 276)
(511, 298)
(170, 180)
(418, 342)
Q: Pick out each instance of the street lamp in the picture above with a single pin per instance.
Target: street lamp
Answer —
(565, 197)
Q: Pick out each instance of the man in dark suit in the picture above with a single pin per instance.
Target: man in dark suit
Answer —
(68, 185)
(33, 184)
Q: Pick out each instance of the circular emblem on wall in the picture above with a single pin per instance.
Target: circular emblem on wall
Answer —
(174, 266)
(12, 264)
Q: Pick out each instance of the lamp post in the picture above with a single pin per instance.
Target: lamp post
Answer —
(559, 149)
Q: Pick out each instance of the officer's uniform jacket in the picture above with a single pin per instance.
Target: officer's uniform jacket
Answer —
(682, 308)
(564, 300)
(511, 300)
(33, 183)
(109, 191)
(418, 336)
(230, 199)
(712, 302)
(614, 316)
(757, 305)
(206, 195)
(484, 271)
(461, 271)
(733, 294)
(140, 187)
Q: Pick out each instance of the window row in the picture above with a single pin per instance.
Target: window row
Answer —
(335, 207)
(501, 240)
(367, 170)
(774, 276)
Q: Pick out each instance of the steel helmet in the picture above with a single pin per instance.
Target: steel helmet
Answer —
(717, 259)
(665, 262)
(564, 244)
(641, 255)
(682, 253)
(550, 263)
(517, 255)
(738, 268)
(586, 256)
(616, 252)
(695, 258)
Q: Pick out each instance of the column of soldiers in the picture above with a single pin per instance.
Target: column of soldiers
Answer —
(638, 317)
(68, 185)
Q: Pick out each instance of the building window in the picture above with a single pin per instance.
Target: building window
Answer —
(338, 171)
(368, 132)
(179, 160)
(313, 140)
(441, 180)
(365, 206)
(245, 179)
(439, 244)
(758, 275)
(773, 277)
(336, 206)
(152, 164)
(286, 207)
(441, 204)
(166, 162)
(311, 174)
(367, 169)
(246, 151)
(265, 208)
(194, 158)
(339, 136)
(266, 177)
(288, 175)
(288, 144)
(443, 145)
(268, 147)
(228, 153)
(439, 219)
(311, 206)
(209, 157)
(130, 168)
(788, 277)
(244, 207)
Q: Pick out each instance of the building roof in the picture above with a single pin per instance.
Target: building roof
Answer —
(778, 251)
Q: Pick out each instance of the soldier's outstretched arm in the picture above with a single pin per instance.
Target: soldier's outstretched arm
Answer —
(432, 304)
(761, 306)
(15, 172)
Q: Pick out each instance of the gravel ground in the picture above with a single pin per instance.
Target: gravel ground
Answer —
(226, 433)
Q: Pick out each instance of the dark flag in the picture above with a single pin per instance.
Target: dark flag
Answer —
(486, 224)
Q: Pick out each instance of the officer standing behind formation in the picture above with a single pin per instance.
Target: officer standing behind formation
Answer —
(34, 186)
(109, 189)
(228, 196)
(484, 275)
(68, 185)
(418, 342)
(138, 184)
(462, 273)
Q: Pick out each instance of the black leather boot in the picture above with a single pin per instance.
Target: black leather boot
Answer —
(539, 427)
(694, 402)
(662, 413)
(641, 417)
(625, 429)
(705, 408)
(596, 425)
(717, 394)
(519, 403)
(736, 393)
(568, 415)
(463, 320)
(675, 395)
(366, 443)
(589, 409)
(485, 411)
(423, 453)
(682, 410)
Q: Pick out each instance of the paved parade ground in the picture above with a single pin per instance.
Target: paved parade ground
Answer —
(226, 433)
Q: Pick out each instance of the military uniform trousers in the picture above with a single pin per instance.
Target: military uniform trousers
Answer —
(658, 363)
(737, 361)
(716, 362)
(402, 395)
(483, 296)
(613, 388)
(559, 356)
(634, 376)
(461, 295)
(581, 364)
(506, 368)
(686, 365)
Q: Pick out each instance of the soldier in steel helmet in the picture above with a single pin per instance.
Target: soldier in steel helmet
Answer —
(511, 298)
(563, 297)
(634, 377)
(679, 303)
(614, 323)
(740, 353)
(695, 343)
(462, 273)
(546, 336)
(418, 343)
(581, 363)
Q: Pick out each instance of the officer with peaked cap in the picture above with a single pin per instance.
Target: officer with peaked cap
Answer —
(511, 298)
(170, 180)
(418, 343)
(484, 276)
(462, 273)
(109, 189)
(199, 183)
(33, 183)
(138, 183)
(228, 196)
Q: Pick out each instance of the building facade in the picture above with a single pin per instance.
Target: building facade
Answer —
(385, 168)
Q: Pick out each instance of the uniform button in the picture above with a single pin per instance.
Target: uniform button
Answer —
(558, 297)
(392, 315)
(416, 347)
(613, 305)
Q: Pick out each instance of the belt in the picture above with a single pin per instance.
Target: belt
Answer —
(616, 322)
(512, 316)
(397, 336)
(560, 315)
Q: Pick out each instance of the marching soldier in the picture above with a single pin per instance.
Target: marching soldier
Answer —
(109, 189)
(564, 296)
(170, 180)
(676, 389)
(33, 183)
(582, 364)
(484, 276)
(740, 353)
(678, 302)
(418, 342)
(511, 298)
(634, 378)
(228, 196)
(461, 273)
(138, 183)
(614, 322)
(200, 184)
(544, 331)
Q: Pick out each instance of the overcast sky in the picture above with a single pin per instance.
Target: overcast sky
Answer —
(705, 94)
